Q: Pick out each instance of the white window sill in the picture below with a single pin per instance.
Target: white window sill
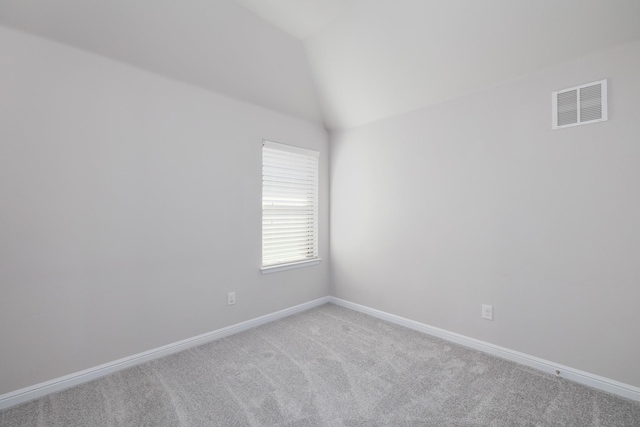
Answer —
(290, 266)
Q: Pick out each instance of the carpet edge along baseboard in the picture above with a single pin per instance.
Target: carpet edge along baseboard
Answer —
(42, 389)
(38, 390)
(586, 378)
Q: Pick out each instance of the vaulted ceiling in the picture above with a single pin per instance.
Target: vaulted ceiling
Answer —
(300, 18)
(365, 59)
(215, 44)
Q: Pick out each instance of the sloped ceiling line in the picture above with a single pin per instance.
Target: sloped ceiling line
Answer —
(341, 62)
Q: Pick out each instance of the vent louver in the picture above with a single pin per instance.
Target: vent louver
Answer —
(580, 105)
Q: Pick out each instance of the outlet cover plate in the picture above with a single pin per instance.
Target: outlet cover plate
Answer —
(487, 312)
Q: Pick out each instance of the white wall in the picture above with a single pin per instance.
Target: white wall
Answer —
(130, 207)
(477, 200)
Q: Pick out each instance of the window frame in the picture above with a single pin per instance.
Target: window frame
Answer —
(313, 192)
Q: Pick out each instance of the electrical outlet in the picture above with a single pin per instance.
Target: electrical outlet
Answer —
(231, 298)
(487, 312)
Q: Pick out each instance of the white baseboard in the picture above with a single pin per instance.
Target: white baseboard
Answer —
(586, 378)
(33, 392)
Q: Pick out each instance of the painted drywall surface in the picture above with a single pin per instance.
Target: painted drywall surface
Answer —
(477, 201)
(385, 58)
(130, 207)
(217, 45)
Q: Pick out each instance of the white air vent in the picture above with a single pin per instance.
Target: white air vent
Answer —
(580, 105)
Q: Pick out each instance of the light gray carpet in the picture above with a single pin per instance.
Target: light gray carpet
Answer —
(328, 366)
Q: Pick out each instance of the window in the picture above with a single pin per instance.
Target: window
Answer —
(289, 207)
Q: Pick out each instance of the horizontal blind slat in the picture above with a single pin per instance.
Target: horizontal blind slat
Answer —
(287, 251)
(276, 247)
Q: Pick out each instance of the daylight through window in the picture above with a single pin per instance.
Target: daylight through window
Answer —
(289, 205)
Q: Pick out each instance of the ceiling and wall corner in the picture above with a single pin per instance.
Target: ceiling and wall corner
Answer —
(300, 18)
(216, 45)
(387, 58)
(343, 62)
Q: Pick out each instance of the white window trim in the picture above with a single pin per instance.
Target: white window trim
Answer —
(290, 266)
(307, 262)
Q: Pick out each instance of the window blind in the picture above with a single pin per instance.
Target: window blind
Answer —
(289, 204)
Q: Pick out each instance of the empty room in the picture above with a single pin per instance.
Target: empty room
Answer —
(320, 213)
